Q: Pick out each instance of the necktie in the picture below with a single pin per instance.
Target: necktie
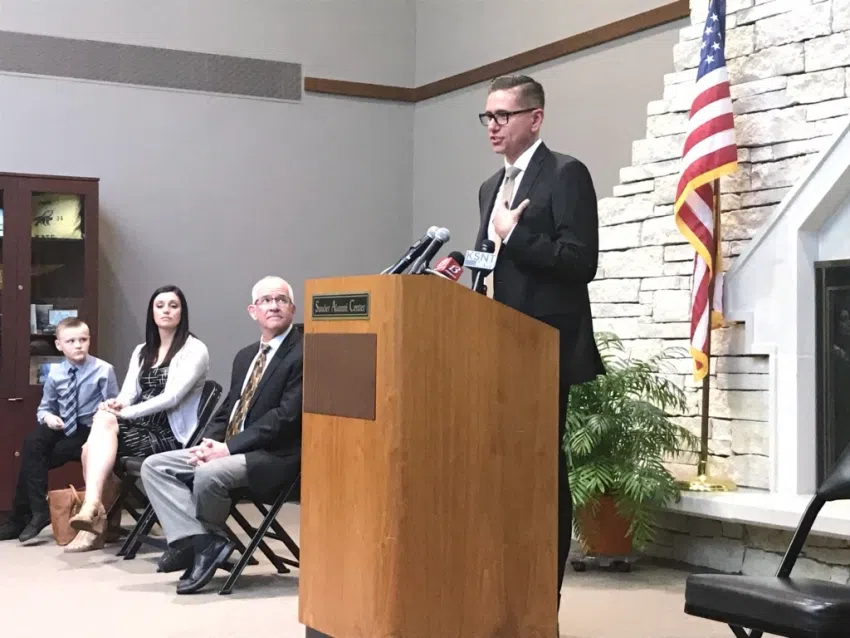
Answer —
(248, 393)
(68, 404)
(504, 198)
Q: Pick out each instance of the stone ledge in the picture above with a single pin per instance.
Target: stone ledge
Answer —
(759, 507)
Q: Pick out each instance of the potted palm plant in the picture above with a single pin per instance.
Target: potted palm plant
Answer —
(619, 434)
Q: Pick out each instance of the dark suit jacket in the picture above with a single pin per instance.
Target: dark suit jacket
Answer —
(271, 438)
(545, 266)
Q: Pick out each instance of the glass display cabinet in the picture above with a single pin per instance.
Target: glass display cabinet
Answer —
(48, 271)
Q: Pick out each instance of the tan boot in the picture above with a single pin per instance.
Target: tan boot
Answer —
(91, 518)
(85, 542)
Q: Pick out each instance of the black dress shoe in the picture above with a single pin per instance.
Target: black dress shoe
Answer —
(11, 529)
(175, 560)
(211, 552)
(38, 522)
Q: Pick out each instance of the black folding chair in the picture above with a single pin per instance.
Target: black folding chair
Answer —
(289, 494)
(782, 605)
(130, 468)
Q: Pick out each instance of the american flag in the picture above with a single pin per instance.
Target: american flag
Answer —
(709, 152)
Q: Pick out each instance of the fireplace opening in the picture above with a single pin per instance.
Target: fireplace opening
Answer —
(833, 363)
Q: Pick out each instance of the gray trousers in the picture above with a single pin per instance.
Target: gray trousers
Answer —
(191, 500)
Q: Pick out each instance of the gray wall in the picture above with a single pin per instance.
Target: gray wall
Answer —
(366, 40)
(213, 192)
(453, 36)
(595, 108)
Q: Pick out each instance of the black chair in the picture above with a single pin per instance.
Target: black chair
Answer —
(129, 470)
(290, 494)
(782, 605)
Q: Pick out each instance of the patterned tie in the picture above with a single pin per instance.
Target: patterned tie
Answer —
(505, 195)
(68, 404)
(248, 393)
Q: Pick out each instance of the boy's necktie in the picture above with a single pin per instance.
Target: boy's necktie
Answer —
(68, 404)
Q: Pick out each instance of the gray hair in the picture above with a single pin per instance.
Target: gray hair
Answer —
(273, 280)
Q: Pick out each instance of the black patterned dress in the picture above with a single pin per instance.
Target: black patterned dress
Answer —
(149, 434)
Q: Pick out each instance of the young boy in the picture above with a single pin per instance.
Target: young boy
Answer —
(72, 392)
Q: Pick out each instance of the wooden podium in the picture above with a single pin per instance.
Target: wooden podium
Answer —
(429, 475)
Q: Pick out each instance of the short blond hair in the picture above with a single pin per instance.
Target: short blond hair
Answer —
(71, 322)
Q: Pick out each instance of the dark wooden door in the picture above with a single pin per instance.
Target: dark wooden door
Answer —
(10, 400)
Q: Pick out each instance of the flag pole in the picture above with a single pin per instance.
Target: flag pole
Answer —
(705, 482)
(702, 465)
(711, 132)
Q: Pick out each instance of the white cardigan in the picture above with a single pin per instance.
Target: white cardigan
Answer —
(187, 373)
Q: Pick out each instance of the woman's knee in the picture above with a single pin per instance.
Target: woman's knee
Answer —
(104, 422)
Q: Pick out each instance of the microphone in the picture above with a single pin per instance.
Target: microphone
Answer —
(440, 238)
(481, 263)
(412, 253)
(450, 267)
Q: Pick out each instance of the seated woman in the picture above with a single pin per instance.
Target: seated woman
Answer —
(156, 410)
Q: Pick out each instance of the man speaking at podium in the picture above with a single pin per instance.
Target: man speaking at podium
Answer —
(540, 212)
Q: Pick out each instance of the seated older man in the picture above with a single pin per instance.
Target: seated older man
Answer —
(253, 441)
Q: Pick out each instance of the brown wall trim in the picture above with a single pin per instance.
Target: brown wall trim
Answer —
(601, 35)
(359, 89)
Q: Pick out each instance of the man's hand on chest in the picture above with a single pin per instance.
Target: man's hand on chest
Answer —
(505, 218)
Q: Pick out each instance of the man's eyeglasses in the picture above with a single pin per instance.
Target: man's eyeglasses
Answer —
(278, 300)
(501, 117)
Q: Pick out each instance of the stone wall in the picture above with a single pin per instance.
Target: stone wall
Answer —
(789, 65)
(748, 550)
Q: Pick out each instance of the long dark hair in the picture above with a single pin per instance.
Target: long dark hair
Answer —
(150, 351)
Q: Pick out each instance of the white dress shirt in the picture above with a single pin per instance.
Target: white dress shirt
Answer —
(522, 164)
(273, 344)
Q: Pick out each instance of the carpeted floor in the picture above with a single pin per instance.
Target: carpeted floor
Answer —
(45, 592)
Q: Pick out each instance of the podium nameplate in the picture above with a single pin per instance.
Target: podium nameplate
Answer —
(349, 305)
